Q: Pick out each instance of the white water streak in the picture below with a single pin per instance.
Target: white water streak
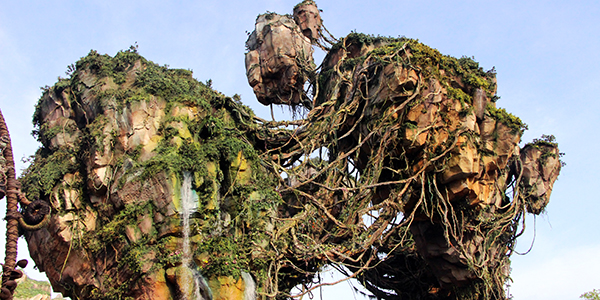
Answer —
(249, 287)
(189, 204)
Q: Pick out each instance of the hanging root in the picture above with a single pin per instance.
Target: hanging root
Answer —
(387, 174)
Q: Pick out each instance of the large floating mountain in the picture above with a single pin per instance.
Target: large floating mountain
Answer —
(404, 174)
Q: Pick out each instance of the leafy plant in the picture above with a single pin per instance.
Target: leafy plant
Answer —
(591, 295)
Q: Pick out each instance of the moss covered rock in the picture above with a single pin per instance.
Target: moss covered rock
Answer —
(117, 136)
(404, 173)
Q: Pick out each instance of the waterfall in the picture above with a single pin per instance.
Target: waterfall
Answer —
(193, 285)
(249, 286)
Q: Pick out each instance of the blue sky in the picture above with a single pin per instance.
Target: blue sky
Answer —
(546, 53)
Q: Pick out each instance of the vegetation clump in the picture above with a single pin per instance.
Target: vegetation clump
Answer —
(504, 117)
(29, 288)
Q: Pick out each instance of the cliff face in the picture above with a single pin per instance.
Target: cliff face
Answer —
(404, 172)
(424, 129)
(425, 152)
(117, 138)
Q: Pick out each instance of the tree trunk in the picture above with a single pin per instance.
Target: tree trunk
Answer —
(12, 226)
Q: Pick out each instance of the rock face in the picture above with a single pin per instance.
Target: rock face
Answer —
(541, 165)
(308, 18)
(425, 127)
(279, 58)
(404, 172)
(117, 138)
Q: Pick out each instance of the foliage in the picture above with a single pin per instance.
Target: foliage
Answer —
(30, 288)
(173, 84)
(370, 90)
(591, 295)
(113, 231)
(46, 170)
(218, 134)
(506, 118)
(546, 144)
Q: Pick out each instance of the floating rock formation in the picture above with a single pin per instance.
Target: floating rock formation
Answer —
(404, 174)
(117, 138)
(423, 132)
(279, 58)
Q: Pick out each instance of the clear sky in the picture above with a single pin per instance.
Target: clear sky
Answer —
(546, 53)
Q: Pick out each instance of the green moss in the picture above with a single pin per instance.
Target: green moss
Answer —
(469, 71)
(96, 132)
(423, 54)
(46, 171)
(545, 140)
(459, 95)
(46, 133)
(361, 39)
(122, 96)
(114, 231)
(428, 61)
(547, 144)
(135, 256)
(220, 133)
(174, 85)
(105, 65)
(506, 118)
(226, 256)
(114, 290)
(350, 63)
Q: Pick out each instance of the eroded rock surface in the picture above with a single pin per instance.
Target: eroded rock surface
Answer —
(308, 18)
(117, 138)
(428, 125)
(279, 58)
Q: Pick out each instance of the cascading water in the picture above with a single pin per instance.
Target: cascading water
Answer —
(193, 285)
(249, 287)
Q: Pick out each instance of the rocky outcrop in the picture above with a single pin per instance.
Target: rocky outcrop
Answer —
(540, 168)
(428, 126)
(117, 138)
(279, 58)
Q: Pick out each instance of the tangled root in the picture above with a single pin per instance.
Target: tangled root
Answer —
(35, 216)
